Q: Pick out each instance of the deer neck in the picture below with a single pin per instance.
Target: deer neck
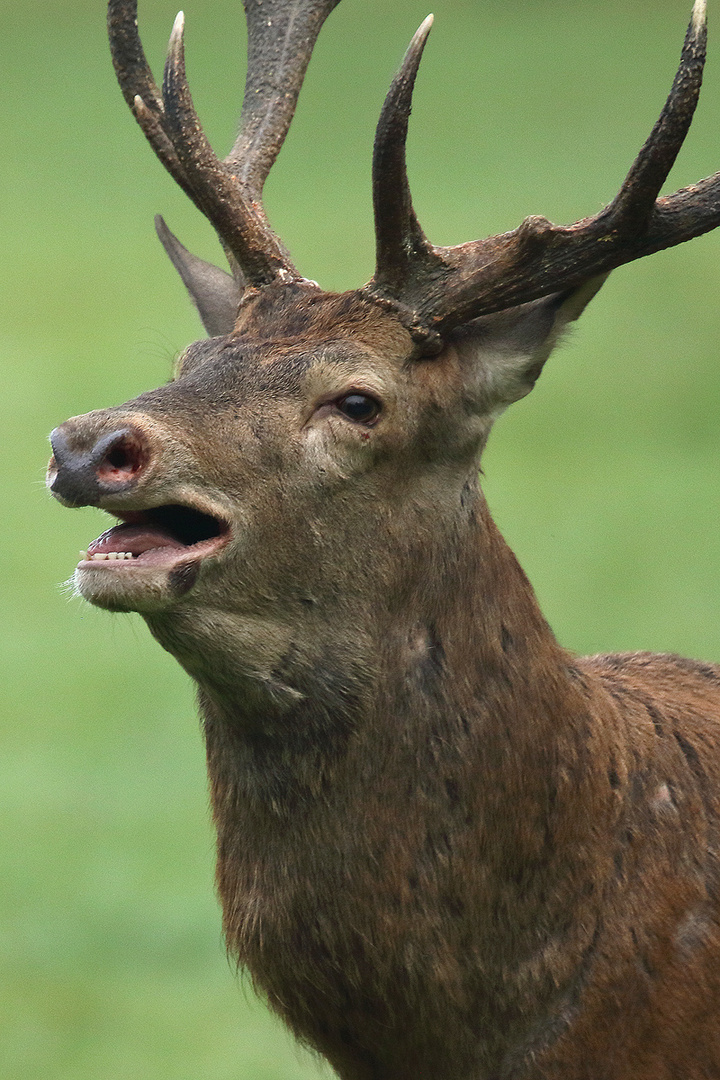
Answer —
(457, 734)
(456, 649)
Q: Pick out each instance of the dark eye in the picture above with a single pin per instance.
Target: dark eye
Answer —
(359, 407)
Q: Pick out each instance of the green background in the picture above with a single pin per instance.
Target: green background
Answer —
(605, 480)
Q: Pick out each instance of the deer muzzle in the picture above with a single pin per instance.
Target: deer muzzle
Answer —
(137, 471)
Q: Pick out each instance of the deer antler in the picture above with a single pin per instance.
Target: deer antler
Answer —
(431, 289)
(435, 289)
(281, 36)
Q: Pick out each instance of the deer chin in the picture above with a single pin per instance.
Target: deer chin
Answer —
(150, 559)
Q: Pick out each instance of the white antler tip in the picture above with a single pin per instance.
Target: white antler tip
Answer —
(142, 113)
(422, 32)
(178, 27)
(699, 15)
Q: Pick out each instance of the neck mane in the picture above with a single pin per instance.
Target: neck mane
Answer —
(337, 812)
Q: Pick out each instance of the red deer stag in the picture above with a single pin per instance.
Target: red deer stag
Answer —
(447, 848)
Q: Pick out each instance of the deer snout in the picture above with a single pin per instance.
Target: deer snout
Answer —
(87, 466)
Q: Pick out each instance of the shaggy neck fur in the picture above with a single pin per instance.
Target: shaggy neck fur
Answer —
(461, 736)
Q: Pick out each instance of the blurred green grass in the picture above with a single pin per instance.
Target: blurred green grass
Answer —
(605, 480)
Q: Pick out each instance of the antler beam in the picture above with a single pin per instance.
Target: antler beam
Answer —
(438, 288)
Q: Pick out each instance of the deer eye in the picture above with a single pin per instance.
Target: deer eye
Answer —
(361, 408)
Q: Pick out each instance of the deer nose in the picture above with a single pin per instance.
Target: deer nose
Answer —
(84, 469)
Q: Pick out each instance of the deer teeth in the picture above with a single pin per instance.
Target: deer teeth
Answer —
(102, 556)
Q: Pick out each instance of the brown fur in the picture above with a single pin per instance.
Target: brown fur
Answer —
(447, 849)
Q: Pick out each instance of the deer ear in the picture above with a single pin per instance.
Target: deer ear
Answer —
(214, 293)
(507, 350)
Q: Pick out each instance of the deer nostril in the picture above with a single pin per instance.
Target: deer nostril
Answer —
(119, 457)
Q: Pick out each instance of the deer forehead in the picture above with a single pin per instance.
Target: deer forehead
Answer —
(265, 374)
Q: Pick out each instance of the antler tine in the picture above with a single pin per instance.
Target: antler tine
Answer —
(281, 38)
(144, 98)
(131, 67)
(138, 85)
(447, 287)
(634, 202)
(400, 242)
(239, 222)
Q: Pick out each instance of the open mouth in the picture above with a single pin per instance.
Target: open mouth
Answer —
(161, 536)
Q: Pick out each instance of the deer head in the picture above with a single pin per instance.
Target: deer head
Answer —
(315, 454)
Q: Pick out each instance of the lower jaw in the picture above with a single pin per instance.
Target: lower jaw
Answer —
(135, 586)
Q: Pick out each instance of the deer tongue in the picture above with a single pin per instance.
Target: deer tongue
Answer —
(137, 539)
